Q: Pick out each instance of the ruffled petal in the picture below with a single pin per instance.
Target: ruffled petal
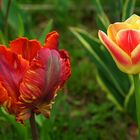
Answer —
(128, 40)
(65, 66)
(12, 69)
(3, 94)
(51, 40)
(46, 75)
(23, 113)
(113, 29)
(27, 48)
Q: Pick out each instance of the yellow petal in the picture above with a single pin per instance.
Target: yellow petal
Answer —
(134, 20)
(113, 29)
(134, 69)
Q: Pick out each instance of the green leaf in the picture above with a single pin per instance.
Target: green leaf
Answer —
(20, 26)
(3, 40)
(21, 130)
(47, 30)
(100, 13)
(109, 74)
(128, 9)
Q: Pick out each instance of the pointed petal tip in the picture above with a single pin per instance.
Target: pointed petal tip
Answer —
(102, 36)
(53, 34)
(99, 34)
(134, 16)
(51, 40)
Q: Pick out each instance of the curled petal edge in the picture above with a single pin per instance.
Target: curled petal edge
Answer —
(113, 29)
(122, 60)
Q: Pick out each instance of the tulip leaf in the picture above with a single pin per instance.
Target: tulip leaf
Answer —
(100, 13)
(109, 76)
(20, 26)
(18, 20)
(3, 40)
(46, 31)
(20, 129)
(128, 9)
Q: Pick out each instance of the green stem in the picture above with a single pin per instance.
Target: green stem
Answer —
(137, 96)
(33, 127)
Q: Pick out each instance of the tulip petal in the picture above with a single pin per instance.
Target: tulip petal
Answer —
(40, 75)
(27, 48)
(23, 114)
(65, 66)
(51, 40)
(46, 75)
(135, 55)
(12, 69)
(128, 40)
(113, 29)
(134, 20)
(3, 94)
(119, 56)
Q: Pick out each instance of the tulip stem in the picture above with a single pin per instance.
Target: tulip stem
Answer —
(137, 97)
(33, 127)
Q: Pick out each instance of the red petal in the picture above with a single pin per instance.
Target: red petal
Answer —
(3, 94)
(65, 66)
(113, 29)
(120, 57)
(12, 69)
(51, 40)
(46, 74)
(128, 40)
(135, 55)
(27, 48)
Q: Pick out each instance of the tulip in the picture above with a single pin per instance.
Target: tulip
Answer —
(31, 75)
(123, 43)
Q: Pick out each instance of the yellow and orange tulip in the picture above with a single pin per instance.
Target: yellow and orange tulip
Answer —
(123, 43)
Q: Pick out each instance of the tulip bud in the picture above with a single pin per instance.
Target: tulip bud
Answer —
(123, 43)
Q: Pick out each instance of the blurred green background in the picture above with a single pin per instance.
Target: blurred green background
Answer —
(82, 110)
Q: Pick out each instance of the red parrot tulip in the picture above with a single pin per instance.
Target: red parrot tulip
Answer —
(31, 75)
(123, 43)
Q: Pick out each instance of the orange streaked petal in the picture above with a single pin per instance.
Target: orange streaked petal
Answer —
(51, 40)
(3, 94)
(46, 75)
(128, 40)
(119, 56)
(31, 86)
(27, 48)
(113, 29)
(44, 109)
(23, 114)
(42, 76)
